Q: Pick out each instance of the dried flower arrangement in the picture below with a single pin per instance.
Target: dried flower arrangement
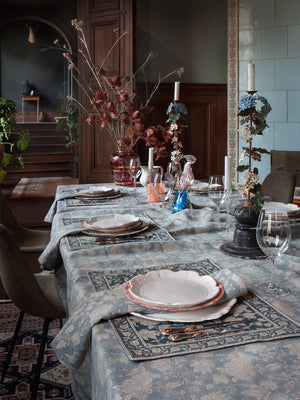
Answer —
(253, 110)
(177, 114)
(113, 104)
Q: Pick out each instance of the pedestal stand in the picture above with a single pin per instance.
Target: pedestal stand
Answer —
(244, 244)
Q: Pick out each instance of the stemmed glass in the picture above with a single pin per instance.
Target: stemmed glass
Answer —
(216, 191)
(135, 169)
(163, 186)
(273, 234)
(175, 170)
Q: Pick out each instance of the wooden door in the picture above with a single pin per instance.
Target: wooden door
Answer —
(104, 21)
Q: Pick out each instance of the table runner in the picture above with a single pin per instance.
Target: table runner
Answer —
(141, 340)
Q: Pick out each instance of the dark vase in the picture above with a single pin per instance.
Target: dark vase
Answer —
(244, 242)
(119, 163)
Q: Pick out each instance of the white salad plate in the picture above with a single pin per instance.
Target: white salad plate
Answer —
(166, 289)
(112, 223)
(203, 314)
(127, 232)
(199, 187)
(289, 208)
(94, 191)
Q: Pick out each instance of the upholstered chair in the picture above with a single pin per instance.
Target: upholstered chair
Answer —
(29, 240)
(32, 293)
(280, 186)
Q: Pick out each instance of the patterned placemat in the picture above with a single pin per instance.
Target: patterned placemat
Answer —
(123, 199)
(141, 340)
(154, 233)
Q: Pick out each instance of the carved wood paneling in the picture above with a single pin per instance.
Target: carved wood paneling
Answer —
(104, 22)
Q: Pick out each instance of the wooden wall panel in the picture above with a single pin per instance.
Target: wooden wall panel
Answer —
(206, 135)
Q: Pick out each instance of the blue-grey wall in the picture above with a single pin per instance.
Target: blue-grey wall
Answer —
(190, 33)
(23, 61)
(269, 35)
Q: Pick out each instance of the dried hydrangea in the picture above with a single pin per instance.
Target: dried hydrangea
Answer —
(253, 110)
(245, 133)
(249, 180)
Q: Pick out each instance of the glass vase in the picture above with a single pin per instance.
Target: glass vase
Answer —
(119, 163)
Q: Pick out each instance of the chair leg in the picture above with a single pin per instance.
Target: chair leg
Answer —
(12, 345)
(36, 381)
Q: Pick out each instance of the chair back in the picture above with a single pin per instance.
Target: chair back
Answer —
(18, 280)
(7, 217)
(280, 186)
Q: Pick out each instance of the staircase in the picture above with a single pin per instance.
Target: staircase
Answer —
(45, 156)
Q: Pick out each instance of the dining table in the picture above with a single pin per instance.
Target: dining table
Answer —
(114, 345)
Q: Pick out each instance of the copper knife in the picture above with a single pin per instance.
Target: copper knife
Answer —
(182, 336)
(193, 328)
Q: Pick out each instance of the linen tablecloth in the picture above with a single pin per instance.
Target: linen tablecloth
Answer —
(258, 370)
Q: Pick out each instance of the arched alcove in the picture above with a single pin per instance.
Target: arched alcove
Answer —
(21, 61)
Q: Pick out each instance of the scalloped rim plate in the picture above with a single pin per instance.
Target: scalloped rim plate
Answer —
(104, 191)
(112, 223)
(129, 232)
(203, 314)
(173, 290)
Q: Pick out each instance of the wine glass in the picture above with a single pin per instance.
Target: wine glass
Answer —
(216, 191)
(163, 186)
(175, 170)
(135, 169)
(273, 234)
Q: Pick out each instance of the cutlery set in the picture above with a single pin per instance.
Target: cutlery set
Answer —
(115, 240)
(202, 330)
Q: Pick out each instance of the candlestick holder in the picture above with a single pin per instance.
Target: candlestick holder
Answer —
(253, 122)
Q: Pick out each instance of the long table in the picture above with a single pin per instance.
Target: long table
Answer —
(263, 368)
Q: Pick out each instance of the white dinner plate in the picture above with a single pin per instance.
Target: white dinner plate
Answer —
(94, 191)
(128, 232)
(172, 289)
(203, 314)
(112, 223)
(199, 187)
(103, 197)
(291, 209)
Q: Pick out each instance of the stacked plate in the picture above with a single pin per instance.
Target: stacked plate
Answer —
(115, 224)
(181, 296)
(292, 210)
(199, 187)
(96, 192)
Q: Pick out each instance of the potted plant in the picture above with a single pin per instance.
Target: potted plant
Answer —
(68, 122)
(11, 135)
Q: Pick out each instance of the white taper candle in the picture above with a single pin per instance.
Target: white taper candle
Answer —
(251, 77)
(176, 91)
(150, 158)
(227, 173)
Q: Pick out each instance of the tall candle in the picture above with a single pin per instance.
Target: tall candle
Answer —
(176, 91)
(251, 77)
(150, 158)
(227, 183)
